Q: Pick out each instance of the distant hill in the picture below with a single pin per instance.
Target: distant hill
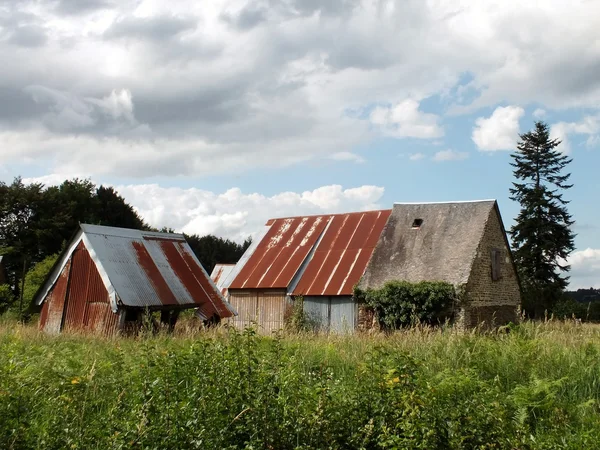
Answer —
(585, 295)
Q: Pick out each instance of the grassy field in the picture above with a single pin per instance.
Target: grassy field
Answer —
(535, 387)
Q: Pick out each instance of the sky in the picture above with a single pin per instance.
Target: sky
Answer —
(213, 116)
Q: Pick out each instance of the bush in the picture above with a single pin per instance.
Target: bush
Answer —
(567, 308)
(36, 277)
(6, 297)
(297, 320)
(400, 303)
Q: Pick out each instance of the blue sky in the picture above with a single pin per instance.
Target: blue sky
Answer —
(212, 118)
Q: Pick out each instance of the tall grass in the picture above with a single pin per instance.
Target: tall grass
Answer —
(535, 387)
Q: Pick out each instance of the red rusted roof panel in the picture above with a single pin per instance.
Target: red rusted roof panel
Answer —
(344, 249)
(275, 255)
(203, 280)
(216, 276)
(356, 272)
(221, 275)
(194, 279)
(338, 277)
(281, 252)
(160, 285)
(342, 254)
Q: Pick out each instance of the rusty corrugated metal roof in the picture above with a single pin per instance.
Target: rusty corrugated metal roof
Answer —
(321, 255)
(220, 276)
(280, 253)
(146, 269)
(342, 254)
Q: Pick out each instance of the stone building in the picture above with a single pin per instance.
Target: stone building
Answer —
(462, 243)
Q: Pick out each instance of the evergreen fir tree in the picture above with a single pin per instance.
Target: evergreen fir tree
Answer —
(542, 236)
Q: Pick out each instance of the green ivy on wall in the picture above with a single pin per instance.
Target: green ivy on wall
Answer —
(400, 303)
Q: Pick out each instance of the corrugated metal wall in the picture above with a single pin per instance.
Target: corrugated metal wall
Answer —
(52, 311)
(81, 291)
(266, 308)
(88, 305)
(344, 312)
(335, 314)
(316, 310)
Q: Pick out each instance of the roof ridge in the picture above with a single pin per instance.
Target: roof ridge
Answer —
(329, 214)
(126, 232)
(446, 202)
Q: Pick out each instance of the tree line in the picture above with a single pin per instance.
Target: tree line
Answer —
(37, 222)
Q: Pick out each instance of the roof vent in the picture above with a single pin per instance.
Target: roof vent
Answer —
(417, 224)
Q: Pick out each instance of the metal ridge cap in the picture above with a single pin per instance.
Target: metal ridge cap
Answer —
(446, 202)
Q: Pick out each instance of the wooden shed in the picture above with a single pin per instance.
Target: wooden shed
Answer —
(108, 276)
(318, 258)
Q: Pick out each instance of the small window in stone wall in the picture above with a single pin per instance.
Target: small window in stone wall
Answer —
(496, 263)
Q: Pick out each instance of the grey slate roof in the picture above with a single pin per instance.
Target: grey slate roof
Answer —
(441, 249)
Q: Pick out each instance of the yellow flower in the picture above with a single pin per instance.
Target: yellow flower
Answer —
(75, 380)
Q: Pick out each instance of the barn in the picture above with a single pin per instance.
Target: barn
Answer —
(462, 243)
(319, 258)
(107, 277)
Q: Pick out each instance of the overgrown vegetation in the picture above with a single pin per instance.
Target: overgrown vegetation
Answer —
(568, 308)
(400, 303)
(534, 388)
(298, 320)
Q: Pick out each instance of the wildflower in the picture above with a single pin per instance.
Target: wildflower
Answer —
(75, 380)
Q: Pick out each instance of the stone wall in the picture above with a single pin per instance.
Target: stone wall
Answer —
(490, 316)
(487, 300)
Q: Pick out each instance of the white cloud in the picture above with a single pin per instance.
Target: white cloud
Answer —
(68, 111)
(119, 104)
(237, 77)
(539, 113)
(585, 269)
(589, 125)
(233, 213)
(500, 131)
(347, 156)
(406, 120)
(450, 155)
(416, 156)
(135, 152)
(236, 214)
